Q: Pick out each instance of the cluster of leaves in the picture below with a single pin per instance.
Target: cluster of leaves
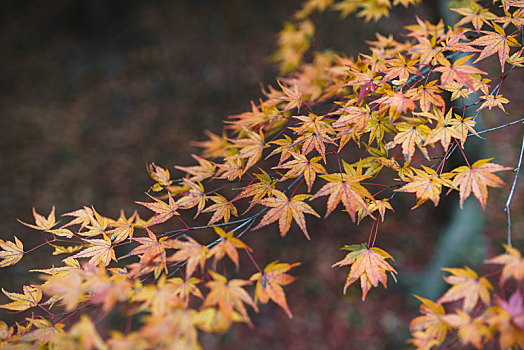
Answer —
(338, 128)
(485, 318)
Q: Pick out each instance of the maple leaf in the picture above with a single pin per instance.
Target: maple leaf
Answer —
(496, 42)
(378, 125)
(42, 223)
(213, 320)
(458, 91)
(11, 252)
(513, 264)
(345, 188)
(476, 179)
(85, 334)
(285, 147)
(427, 94)
(368, 264)
(427, 184)
(270, 282)
(458, 72)
(410, 134)
(466, 285)
(231, 169)
(380, 205)
(474, 14)
(257, 190)
(227, 246)
(108, 290)
(493, 101)
(185, 288)
(31, 297)
(123, 228)
(159, 299)
(101, 251)
(397, 101)
(45, 332)
(250, 147)
(215, 147)
(229, 295)
(430, 329)
(82, 217)
(464, 126)
(514, 307)
(97, 225)
(160, 175)
(223, 209)
(190, 250)
(314, 133)
(152, 247)
(164, 211)
(302, 166)
(445, 129)
(401, 68)
(470, 331)
(510, 334)
(292, 95)
(200, 172)
(195, 197)
(351, 115)
(284, 210)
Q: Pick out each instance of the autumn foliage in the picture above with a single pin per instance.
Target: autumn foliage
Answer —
(333, 134)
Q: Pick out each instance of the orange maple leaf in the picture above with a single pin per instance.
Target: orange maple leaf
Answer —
(229, 295)
(466, 285)
(164, 211)
(458, 72)
(513, 264)
(368, 264)
(70, 290)
(301, 165)
(227, 246)
(284, 210)
(223, 209)
(476, 179)
(470, 330)
(190, 250)
(258, 190)
(195, 197)
(160, 175)
(270, 282)
(250, 147)
(200, 172)
(496, 42)
(151, 246)
(427, 184)
(345, 188)
(429, 330)
(410, 135)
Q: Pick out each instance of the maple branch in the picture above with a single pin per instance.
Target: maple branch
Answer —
(510, 197)
(499, 127)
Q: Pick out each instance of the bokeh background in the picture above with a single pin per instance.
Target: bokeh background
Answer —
(92, 91)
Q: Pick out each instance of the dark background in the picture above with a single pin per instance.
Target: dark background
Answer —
(92, 91)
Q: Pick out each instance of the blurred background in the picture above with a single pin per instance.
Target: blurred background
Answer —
(92, 91)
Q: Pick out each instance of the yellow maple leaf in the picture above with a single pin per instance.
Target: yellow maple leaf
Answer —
(31, 297)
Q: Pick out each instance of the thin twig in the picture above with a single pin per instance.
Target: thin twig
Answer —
(506, 208)
(499, 127)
